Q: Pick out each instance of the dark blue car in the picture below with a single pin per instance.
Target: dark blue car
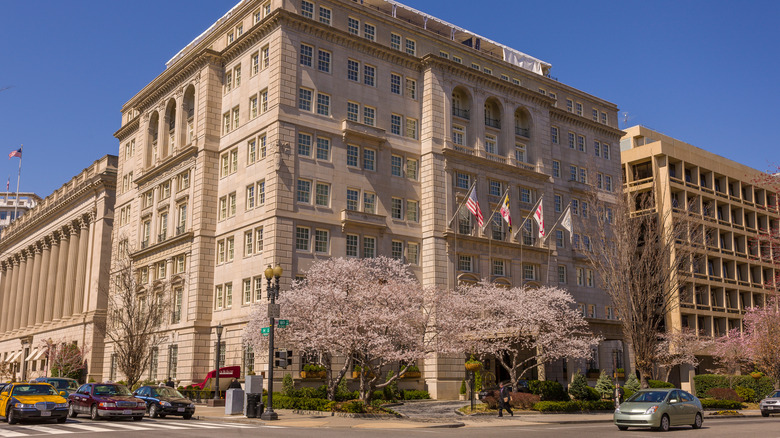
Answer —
(163, 400)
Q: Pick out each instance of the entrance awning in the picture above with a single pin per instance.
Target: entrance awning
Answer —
(31, 355)
(40, 354)
(14, 357)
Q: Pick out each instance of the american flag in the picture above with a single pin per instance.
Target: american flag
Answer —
(16, 153)
(473, 205)
(539, 217)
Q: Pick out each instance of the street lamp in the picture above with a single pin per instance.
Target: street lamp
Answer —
(273, 313)
(219, 329)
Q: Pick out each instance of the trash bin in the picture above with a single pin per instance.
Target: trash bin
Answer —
(252, 401)
(260, 408)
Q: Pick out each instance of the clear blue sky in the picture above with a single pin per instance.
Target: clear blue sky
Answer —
(705, 72)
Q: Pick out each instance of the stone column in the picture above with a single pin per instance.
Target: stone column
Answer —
(23, 302)
(9, 273)
(70, 277)
(4, 283)
(34, 282)
(16, 298)
(81, 269)
(9, 298)
(41, 302)
(62, 266)
(51, 277)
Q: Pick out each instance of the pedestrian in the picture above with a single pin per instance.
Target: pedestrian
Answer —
(619, 393)
(503, 400)
(234, 384)
(170, 383)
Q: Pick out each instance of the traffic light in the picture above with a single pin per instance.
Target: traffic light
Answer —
(283, 358)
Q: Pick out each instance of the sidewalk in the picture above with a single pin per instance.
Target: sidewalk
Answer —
(289, 419)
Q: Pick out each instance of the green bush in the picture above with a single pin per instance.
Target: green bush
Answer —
(659, 384)
(310, 367)
(579, 388)
(598, 405)
(574, 406)
(353, 407)
(548, 390)
(307, 404)
(747, 394)
(604, 386)
(412, 394)
(632, 383)
(288, 387)
(627, 393)
(463, 387)
(705, 382)
(761, 387)
(390, 391)
(708, 403)
(724, 394)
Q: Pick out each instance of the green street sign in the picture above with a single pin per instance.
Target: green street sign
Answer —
(265, 331)
(282, 323)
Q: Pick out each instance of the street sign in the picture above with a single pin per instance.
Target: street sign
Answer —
(282, 323)
(265, 331)
(273, 310)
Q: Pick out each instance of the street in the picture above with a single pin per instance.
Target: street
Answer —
(175, 428)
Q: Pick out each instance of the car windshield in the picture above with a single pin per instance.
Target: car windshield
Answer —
(648, 396)
(111, 390)
(22, 390)
(775, 394)
(64, 384)
(166, 391)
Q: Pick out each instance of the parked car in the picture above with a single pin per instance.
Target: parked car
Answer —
(770, 404)
(522, 386)
(40, 401)
(162, 401)
(659, 409)
(60, 383)
(105, 400)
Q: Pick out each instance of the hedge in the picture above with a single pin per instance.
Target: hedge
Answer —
(708, 403)
(303, 403)
(574, 406)
(659, 384)
(412, 394)
(548, 390)
(761, 387)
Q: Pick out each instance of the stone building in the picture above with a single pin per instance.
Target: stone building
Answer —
(14, 205)
(292, 131)
(55, 261)
(730, 271)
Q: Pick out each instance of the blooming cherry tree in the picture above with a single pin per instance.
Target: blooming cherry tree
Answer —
(678, 347)
(762, 331)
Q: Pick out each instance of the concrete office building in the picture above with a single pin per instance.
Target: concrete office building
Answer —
(54, 265)
(292, 131)
(730, 271)
(13, 206)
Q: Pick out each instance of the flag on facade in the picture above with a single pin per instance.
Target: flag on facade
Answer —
(505, 211)
(539, 217)
(566, 223)
(473, 205)
(16, 153)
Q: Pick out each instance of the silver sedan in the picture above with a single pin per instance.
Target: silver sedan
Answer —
(659, 409)
(770, 404)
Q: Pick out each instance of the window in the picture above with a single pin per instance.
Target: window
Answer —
(465, 263)
(352, 245)
(604, 118)
(411, 88)
(589, 277)
(369, 32)
(369, 159)
(231, 204)
(520, 152)
(504, 78)
(352, 155)
(581, 143)
(253, 106)
(369, 202)
(231, 249)
(411, 47)
(396, 208)
(235, 117)
(498, 268)
(583, 175)
(247, 287)
(487, 70)
(259, 288)
(304, 191)
(261, 193)
(599, 181)
(584, 209)
(395, 83)
(225, 124)
(444, 55)
(559, 242)
(353, 70)
(323, 194)
(228, 81)
(220, 251)
(580, 277)
(572, 173)
(258, 240)
(223, 208)
(307, 9)
(304, 99)
(608, 183)
(562, 274)
(182, 223)
(579, 108)
(457, 59)
(556, 168)
(397, 250)
(302, 238)
(163, 223)
(558, 202)
(323, 148)
(353, 199)
(516, 81)
(395, 165)
(605, 151)
(475, 66)
(352, 111)
(369, 116)
(569, 105)
(458, 135)
(307, 53)
(495, 188)
(255, 63)
(575, 207)
(395, 41)
(529, 272)
(395, 124)
(237, 76)
(323, 61)
(464, 224)
(304, 144)
(369, 75)
(412, 212)
(526, 197)
(572, 140)
(413, 253)
(323, 104)
(462, 180)
(183, 180)
(411, 168)
(325, 15)
(353, 26)
(228, 298)
(490, 144)
(262, 145)
(249, 240)
(173, 360)
(369, 247)
(596, 148)
(321, 241)
(162, 268)
(264, 101)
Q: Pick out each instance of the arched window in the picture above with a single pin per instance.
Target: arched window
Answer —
(152, 146)
(189, 109)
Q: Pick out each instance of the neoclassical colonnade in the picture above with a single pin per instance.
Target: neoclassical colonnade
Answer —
(45, 281)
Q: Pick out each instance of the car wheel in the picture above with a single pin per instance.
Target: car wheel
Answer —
(93, 413)
(764, 414)
(154, 411)
(187, 416)
(664, 425)
(622, 427)
(138, 418)
(11, 417)
(62, 420)
(697, 422)
(72, 411)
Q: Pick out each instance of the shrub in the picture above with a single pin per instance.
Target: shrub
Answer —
(593, 395)
(704, 382)
(579, 388)
(288, 388)
(354, 407)
(747, 394)
(463, 387)
(413, 369)
(604, 386)
(724, 394)
(659, 384)
(632, 383)
(310, 367)
(627, 393)
(390, 392)
(523, 400)
(557, 406)
(412, 394)
(308, 404)
(709, 403)
(598, 405)
(548, 390)
(761, 387)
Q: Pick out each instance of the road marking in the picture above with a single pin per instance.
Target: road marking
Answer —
(203, 426)
(131, 426)
(44, 429)
(168, 426)
(239, 425)
(10, 433)
(89, 428)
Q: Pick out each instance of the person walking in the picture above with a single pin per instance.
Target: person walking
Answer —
(503, 400)
(170, 383)
(234, 384)
(619, 393)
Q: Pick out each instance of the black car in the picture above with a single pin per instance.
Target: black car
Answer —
(163, 400)
(522, 386)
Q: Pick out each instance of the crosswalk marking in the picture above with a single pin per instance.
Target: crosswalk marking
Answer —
(11, 433)
(44, 429)
(71, 427)
(169, 426)
(88, 428)
(201, 425)
(131, 426)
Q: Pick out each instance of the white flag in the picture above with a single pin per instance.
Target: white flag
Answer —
(566, 222)
(539, 217)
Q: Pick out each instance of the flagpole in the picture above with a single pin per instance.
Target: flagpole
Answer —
(559, 219)
(527, 218)
(19, 176)
(449, 224)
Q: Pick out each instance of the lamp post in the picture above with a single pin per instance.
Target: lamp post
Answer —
(273, 313)
(219, 329)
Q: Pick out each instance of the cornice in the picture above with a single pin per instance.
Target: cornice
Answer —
(166, 165)
(123, 132)
(565, 116)
(157, 247)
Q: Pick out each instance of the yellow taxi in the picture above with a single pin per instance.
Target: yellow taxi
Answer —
(39, 401)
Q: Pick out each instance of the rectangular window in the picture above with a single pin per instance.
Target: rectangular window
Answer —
(411, 128)
(572, 173)
(599, 181)
(583, 175)
(395, 165)
(321, 241)
(261, 193)
(605, 151)
(353, 70)
(369, 116)
(562, 274)
(559, 242)
(495, 188)
(462, 180)
(395, 41)
(369, 75)
(261, 140)
(230, 243)
(520, 152)
(323, 104)
(249, 240)
(235, 117)
(580, 277)
(459, 60)
(569, 105)
(575, 207)
(352, 245)
(228, 295)
(323, 148)
(397, 250)
(253, 106)
(411, 88)
(490, 144)
(223, 207)
(258, 240)
(529, 272)
(604, 118)
(369, 159)
(395, 124)
(369, 32)
(579, 108)
(237, 76)
(218, 298)
(325, 15)
(589, 277)
(465, 263)
(572, 140)
(304, 191)
(411, 168)
(556, 169)
(413, 253)
(266, 56)
(258, 288)
(369, 247)
(247, 287)
(353, 199)
(250, 197)
(369, 202)
(596, 148)
(264, 101)
(412, 211)
(352, 111)
(323, 61)
(395, 83)
(445, 55)
(232, 204)
(411, 47)
(525, 195)
(307, 53)
(595, 115)
(323, 194)
(307, 9)
(304, 145)
(353, 153)
(554, 134)
(302, 238)
(225, 123)
(396, 208)
(458, 135)
(498, 268)
(304, 99)
(255, 63)
(558, 201)
(353, 26)
(581, 143)
(608, 183)
(228, 81)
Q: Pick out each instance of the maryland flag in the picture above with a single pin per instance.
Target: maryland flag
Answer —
(505, 211)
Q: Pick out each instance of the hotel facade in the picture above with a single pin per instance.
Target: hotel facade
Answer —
(292, 131)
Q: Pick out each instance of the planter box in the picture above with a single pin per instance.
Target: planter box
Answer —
(593, 375)
(356, 375)
(313, 374)
(621, 375)
(473, 367)
(412, 375)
